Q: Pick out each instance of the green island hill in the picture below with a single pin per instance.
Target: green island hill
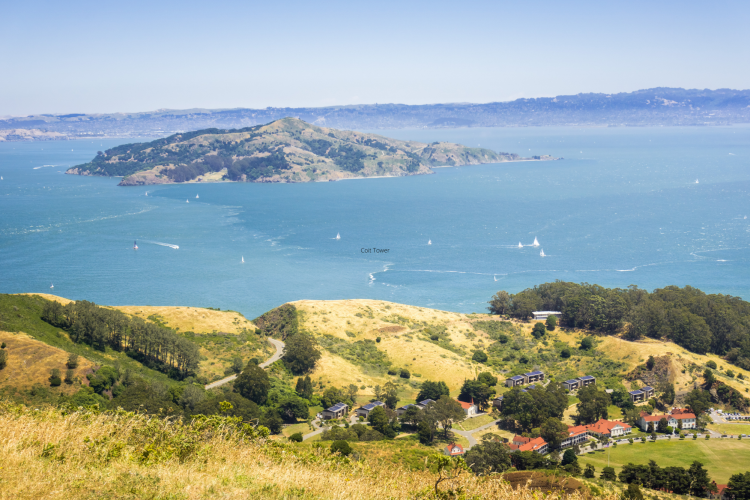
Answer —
(286, 150)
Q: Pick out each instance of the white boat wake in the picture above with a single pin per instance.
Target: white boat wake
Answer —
(175, 247)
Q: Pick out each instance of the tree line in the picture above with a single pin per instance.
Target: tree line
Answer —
(100, 327)
(700, 322)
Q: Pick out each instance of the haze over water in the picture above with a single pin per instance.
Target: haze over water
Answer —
(622, 208)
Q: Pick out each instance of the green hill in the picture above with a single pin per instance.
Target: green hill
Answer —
(287, 150)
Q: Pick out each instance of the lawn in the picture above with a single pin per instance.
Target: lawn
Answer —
(721, 458)
(730, 428)
(303, 427)
(614, 412)
(314, 410)
(472, 423)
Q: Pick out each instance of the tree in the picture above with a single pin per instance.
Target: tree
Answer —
(304, 387)
(3, 358)
(352, 391)
(446, 410)
(191, 396)
(69, 376)
(500, 303)
(592, 406)
(479, 356)
(331, 396)
(711, 364)
(54, 378)
(487, 379)
(633, 492)
(569, 457)
(709, 378)
(565, 353)
(293, 407)
(72, 361)
(554, 432)
(650, 363)
(551, 322)
(411, 415)
(272, 420)
(379, 420)
(253, 384)
(539, 330)
(488, 457)
(667, 393)
(650, 428)
(587, 344)
(237, 364)
(341, 447)
(589, 472)
(698, 401)
(432, 390)
(425, 432)
(300, 353)
(404, 373)
(391, 395)
(739, 486)
(608, 474)
(297, 437)
(700, 483)
(663, 424)
(476, 391)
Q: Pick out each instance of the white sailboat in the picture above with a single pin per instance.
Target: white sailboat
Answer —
(146, 193)
(1, 177)
(338, 236)
(536, 242)
(135, 245)
(541, 254)
(429, 242)
(696, 181)
(196, 196)
(51, 286)
(187, 201)
(495, 278)
(520, 245)
(243, 259)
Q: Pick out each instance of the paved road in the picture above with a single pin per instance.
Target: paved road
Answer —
(279, 345)
(468, 434)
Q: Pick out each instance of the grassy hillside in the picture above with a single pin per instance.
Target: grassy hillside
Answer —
(287, 150)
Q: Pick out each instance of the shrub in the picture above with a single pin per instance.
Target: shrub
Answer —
(479, 356)
(565, 353)
(296, 437)
(539, 330)
(54, 378)
(341, 447)
(3, 359)
(72, 361)
(730, 374)
(2, 346)
(587, 344)
(69, 376)
(405, 373)
(551, 322)
(711, 364)
(377, 339)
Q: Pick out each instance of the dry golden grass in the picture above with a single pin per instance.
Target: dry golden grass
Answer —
(30, 362)
(192, 319)
(84, 455)
(49, 296)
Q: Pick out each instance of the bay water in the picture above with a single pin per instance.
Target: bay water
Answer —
(645, 206)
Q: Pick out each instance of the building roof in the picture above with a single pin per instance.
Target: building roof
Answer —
(677, 411)
(533, 445)
(577, 430)
(546, 312)
(426, 402)
(603, 426)
(532, 386)
(653, 418)
(681, 416)
(535, 372)
(586, 377)
(636, 392)
(647, 388)
(466, 405)
(450, 449)
(571, 381)
(337, 407)
(516, 377)
(519, 440)
(406, 407)
(372, 406)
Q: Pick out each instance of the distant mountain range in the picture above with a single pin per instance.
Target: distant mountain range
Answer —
(657, 106)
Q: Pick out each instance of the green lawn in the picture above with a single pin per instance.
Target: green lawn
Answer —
(730, 428)
(572, 400)
(614, 413)
(303, 427)
(314, 410)
(472, 423)
(721, 458)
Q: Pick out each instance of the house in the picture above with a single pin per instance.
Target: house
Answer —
(454, 450)
(678, 418)
(336, 411)
(498, 402)
(609, 428)
(402, 410)
(576, 435)
(366, 409)
(515, 381)
(645, 419)
(424, 403)
(637, 396)
(469, 408)
(587, 380)
(572, 384)
(542, 315)
(534, 376)
(648, 392)
(720, 493)
(521, 443)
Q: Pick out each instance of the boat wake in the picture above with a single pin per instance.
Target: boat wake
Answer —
(45, 166)
(175, 247)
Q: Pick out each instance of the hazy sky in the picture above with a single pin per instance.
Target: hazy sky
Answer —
(76, 56)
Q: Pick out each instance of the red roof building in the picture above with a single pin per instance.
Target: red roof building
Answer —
(521, 443)
(454, 450)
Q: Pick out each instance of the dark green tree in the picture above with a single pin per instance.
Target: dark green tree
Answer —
(72, 361)
(487, 378)
(587, 344)
(300, 353)
(708, 378)
(476, 391)
(569, 457)
(54, 378)
(293, 407)
(379, 420)
(554, 432)
(479, 356)
(272, 420)
(488, 458)
(297, 437)
(445, 411)
(650, 363)
(3, 358)
(425, 432)
(698, 400)
(700, 482)
(633, 492)
(738, 487)
(253, 384)
(551, 322)
(592, 406)
(500, 303)
(411, 415)
(589, 472)
(539, 330)
(565, 353)
(237, 364)
(341, 447)
(432, 390)
(608, 474)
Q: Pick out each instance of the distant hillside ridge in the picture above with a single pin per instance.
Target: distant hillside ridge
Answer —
(660, 106)
(286, 150)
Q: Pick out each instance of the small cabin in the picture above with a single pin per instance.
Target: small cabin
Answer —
(543, 315)
(366, 409)
(336, 411)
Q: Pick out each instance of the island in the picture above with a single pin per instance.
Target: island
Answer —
(285, 150)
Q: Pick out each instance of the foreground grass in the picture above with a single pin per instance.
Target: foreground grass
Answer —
(721, 458)
(731, 429)
(52, 455)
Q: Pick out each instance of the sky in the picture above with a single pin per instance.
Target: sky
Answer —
(104, 57)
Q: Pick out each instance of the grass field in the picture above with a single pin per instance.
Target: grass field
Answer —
(730, 428)
(303, 427)
(472, 423)
(721, 458)
(192, 319)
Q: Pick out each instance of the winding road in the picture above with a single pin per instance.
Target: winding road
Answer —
(279, 345)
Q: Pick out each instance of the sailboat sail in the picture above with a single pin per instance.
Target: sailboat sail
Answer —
(541, 254)
(520, 245)
(536, 242)
(196, 196)
(243, 259)
(135, 245)
(338, 236)
(429, 242)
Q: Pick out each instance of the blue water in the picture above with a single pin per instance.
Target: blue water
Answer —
(622, 208)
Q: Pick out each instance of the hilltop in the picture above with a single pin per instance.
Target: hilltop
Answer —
(286, 150)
